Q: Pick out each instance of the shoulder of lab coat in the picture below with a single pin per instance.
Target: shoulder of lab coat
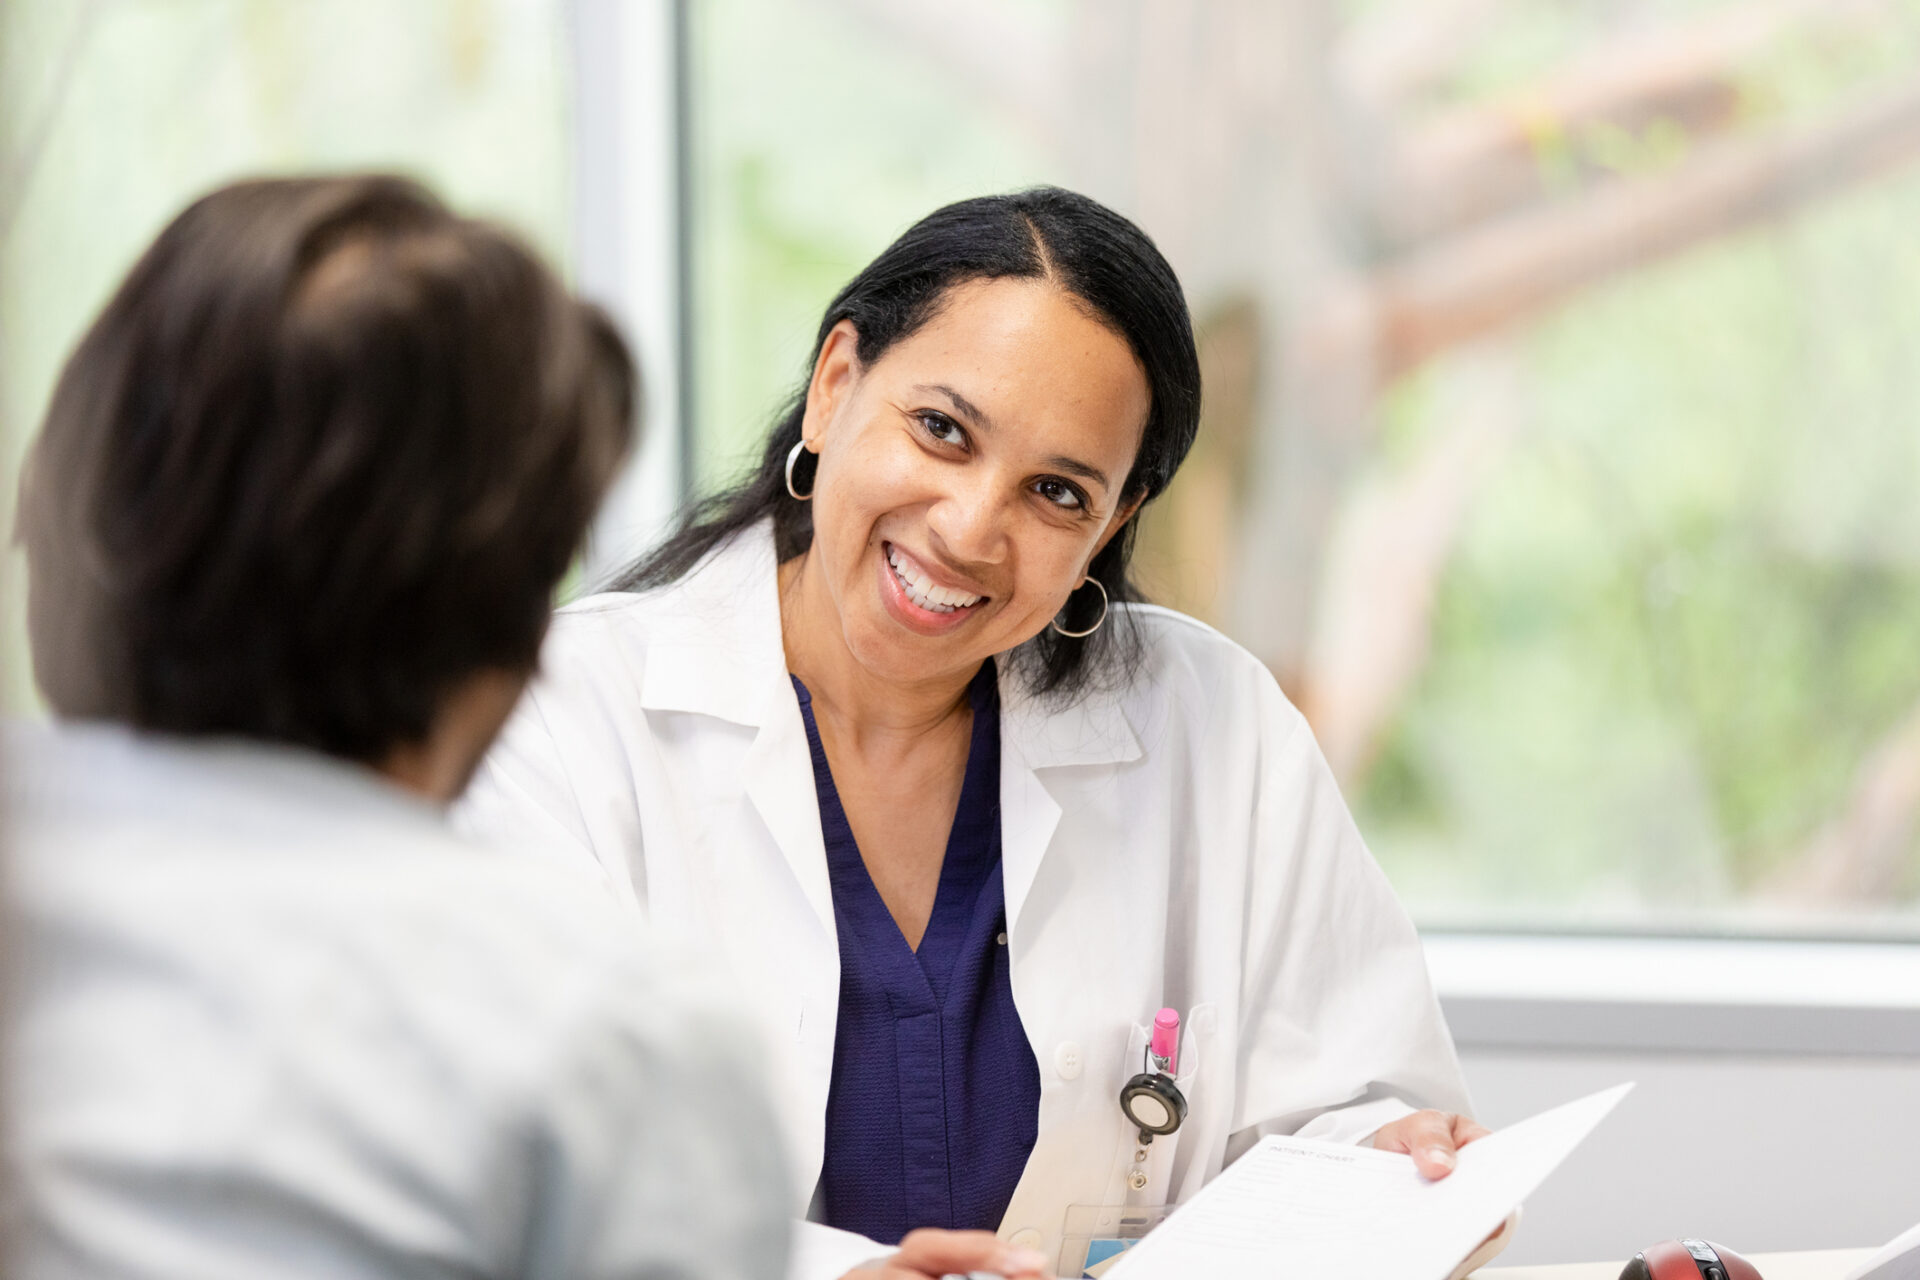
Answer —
(709, 642)
(1335, 1005)
(275, 1019)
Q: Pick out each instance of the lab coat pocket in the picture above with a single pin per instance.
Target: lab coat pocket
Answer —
(1196, 1073)
(1150, 1167)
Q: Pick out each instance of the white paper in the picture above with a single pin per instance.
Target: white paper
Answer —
(1900, 1260)
(1291, 1207)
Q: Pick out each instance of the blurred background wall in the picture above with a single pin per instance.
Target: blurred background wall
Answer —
(1561, 452)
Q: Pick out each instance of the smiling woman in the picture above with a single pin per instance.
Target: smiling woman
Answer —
(1099, 289)
(890, 726)
(958, 509)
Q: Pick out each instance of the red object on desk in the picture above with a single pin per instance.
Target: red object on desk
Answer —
(1688, 1260)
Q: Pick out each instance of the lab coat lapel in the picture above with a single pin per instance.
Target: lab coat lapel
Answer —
(780, 785)
(1028, 817)
(1055, 762)
(1037, 736)
(725, 659)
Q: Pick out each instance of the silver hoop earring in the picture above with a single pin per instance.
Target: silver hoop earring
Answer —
(792, 458)
(1105, 605)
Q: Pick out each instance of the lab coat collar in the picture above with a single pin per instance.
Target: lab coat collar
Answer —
(1046, 734)
(719, 653)
(717, 650)
(1035, 735)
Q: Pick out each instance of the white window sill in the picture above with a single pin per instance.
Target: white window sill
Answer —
(1678, 995)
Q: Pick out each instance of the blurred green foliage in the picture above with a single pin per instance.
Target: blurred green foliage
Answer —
(817, 141)
(1688, 607)
(1685, 607)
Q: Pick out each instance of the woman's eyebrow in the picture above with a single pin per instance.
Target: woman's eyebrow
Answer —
(1085, 470)
(960, 402)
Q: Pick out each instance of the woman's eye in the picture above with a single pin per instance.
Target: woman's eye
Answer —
(1060, 493)
(942, 428)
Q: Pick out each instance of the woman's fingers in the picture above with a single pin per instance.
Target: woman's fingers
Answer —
(1432, 1138)
(1466, 1129)
(929, 1254)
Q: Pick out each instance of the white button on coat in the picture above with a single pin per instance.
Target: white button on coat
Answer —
(1177, 840)
(1066, 1061)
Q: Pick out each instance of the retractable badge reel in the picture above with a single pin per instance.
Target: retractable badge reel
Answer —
(1151, 1099)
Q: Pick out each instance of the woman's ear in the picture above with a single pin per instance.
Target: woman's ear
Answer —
(835, 371)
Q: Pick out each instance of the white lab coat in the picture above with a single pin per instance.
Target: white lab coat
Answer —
(271, 1018)
(1176, 841)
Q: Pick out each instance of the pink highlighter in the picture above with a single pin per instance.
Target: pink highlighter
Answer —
(1151, 1100)
(1165, 1044)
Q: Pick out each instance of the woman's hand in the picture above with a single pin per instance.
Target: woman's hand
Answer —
(1431, 1138)
(928, 1254)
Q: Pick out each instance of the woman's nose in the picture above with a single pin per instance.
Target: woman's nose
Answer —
(969, 523)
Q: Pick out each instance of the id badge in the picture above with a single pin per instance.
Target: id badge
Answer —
(1096, 1235)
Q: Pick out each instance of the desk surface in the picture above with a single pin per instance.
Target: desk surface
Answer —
(1832, 1265)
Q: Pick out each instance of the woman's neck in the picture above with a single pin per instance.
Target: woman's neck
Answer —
(860, 703)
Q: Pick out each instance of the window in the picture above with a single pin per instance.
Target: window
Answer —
(113, 116)
(1560, 454)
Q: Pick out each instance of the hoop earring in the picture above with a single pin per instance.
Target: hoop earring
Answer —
(792, 458)
(1105, 604)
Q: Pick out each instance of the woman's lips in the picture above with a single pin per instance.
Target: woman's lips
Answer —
(919, 600)
(922, 587)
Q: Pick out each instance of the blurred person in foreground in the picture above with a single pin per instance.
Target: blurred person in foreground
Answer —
(293, 525)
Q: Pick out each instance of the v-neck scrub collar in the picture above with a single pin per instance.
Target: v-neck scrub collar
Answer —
(934, 1103)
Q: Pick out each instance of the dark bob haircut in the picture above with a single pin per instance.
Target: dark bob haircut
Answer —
(322, 459)
(1081, 246)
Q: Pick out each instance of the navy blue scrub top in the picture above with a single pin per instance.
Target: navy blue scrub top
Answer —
(935, 1100)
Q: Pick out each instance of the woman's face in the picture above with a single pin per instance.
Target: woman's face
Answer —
(969, 476)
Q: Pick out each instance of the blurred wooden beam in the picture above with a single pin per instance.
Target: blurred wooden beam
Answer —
(1373, 628)
(1398, 52)
(1484, 160)
(16, 171)
(1506, 270)
(997, 49)
(1861, 854)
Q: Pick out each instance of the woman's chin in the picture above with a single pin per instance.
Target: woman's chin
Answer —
(888, 656)
(888, 652)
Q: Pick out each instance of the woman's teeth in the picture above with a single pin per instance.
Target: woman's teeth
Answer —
(922, 590)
